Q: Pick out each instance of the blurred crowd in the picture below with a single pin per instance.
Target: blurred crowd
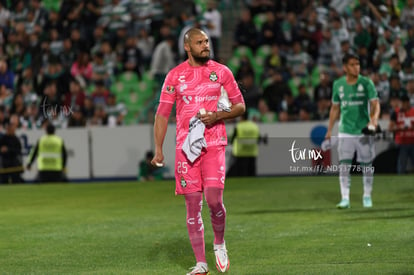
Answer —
(82, 62)
(288, 53)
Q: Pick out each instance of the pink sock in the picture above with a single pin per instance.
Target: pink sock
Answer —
(214, 198)
(194, 204)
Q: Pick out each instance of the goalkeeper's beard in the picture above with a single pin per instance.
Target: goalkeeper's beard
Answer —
(201, 59)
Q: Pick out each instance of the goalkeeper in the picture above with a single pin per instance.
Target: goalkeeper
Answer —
(355, 103)
(196, 87)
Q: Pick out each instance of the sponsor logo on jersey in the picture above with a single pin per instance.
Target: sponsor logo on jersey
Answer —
(213, 76)
(187, 99)
(206, 98)
(352, 103)
(356, 103)
(181, 78)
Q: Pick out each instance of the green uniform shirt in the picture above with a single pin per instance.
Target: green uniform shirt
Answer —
(354, 103)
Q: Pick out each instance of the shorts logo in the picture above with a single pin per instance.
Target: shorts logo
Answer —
(213, 76)
(170, 89)
(183, 183)
(222, 179)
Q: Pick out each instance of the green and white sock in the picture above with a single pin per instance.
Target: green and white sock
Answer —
(344, 180)
(367, 179)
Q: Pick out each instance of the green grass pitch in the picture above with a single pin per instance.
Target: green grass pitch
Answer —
(280, 225)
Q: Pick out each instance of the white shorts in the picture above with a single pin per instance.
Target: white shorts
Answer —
(364, 146)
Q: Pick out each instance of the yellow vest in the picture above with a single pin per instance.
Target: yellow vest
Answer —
(245, 142)
(50, 153)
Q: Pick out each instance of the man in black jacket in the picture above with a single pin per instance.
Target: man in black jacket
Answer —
(11, 153)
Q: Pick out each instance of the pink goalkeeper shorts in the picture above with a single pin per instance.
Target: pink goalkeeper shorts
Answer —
(208, 170)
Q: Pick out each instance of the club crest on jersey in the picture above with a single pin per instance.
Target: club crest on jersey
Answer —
(360, 88)
(182, 182)
(170, 89)
(213, 76)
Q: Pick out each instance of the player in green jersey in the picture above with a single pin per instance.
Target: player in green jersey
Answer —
(355, 102)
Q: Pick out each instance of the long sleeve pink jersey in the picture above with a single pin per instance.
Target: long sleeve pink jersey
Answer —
(193, 88)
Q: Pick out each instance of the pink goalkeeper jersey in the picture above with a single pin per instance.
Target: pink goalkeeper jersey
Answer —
(193, 88)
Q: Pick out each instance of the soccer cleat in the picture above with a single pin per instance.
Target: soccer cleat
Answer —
(199, 269)
(343, 204)
(367, 202)
(222, 260)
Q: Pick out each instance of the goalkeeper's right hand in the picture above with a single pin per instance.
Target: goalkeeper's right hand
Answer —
(158, 159)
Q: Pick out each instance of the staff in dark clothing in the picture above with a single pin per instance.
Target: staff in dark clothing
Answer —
(11, 153)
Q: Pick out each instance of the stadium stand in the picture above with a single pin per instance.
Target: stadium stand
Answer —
(41, 41)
